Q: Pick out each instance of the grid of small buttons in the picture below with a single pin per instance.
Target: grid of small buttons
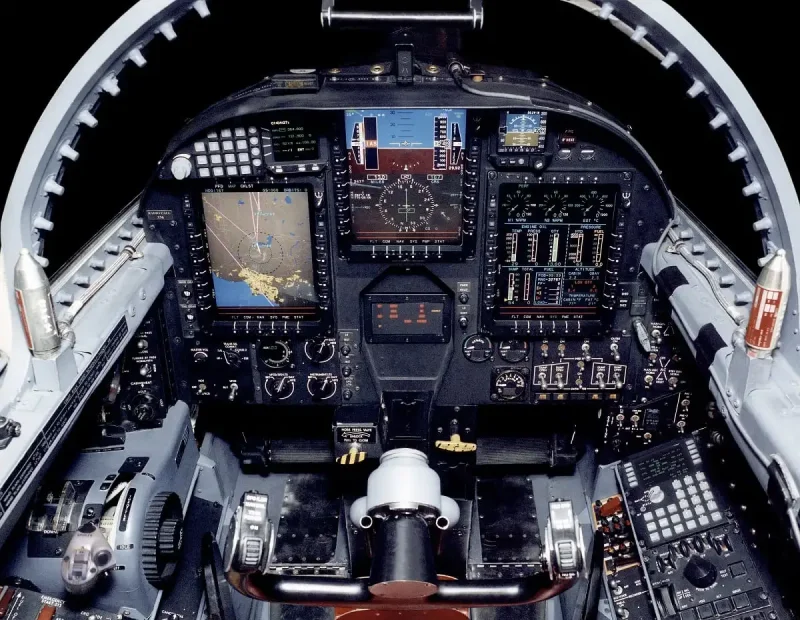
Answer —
(676, 500)
(229, 153)
(694, 508)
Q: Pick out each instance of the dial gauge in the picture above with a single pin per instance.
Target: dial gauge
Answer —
(275, 353)
(593, 203)
(518, 204)
(555, 204)
(514, 351)
(407, 205)
(510, 385)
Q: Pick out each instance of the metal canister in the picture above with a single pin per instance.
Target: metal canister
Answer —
(36, 309)
(769, 306)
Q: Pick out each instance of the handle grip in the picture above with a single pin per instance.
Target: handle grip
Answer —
(473, 16)
(334, 592)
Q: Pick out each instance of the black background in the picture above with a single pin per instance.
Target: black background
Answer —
(245, 40)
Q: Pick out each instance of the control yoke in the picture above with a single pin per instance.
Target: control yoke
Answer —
(401, 510)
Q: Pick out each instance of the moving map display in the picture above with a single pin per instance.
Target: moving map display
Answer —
(260, 246)
(406, 169)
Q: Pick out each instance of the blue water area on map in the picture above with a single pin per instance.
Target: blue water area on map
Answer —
(238, 295)
(405, 129)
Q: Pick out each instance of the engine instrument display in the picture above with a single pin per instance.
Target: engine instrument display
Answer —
(522, 132)
(260, 249)
(406, 172)
(553, 247)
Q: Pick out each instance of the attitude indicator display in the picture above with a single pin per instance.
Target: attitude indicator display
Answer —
(406, 173)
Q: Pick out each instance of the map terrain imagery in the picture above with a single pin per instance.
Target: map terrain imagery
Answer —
(260, 246)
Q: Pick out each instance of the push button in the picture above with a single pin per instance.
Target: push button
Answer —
(740, 601)
(738, 569)
(723, 606)
(705, 611)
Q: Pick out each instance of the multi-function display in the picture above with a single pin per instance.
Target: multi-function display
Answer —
(553, 246)
(406, 169)
(522, 132)
(260, 248)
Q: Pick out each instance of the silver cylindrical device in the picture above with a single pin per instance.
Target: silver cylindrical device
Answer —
(32, 290)
(769, 306)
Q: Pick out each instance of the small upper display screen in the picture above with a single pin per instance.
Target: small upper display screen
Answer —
(406, 169)
(522, 132)
(553, 247)
(260, 246)
(293, 139)
(407, 318)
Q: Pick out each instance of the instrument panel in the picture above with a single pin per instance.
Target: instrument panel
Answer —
(460, 256)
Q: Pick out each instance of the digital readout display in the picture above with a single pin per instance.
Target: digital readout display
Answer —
(422, 318)
(293, 140)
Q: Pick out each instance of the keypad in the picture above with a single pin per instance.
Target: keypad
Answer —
(236, 147)
(694, 506)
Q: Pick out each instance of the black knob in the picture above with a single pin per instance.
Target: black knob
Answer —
(683, 547)
(700, 572)
(319, 350)
(347, 394)
(346, 349)
(463, 322)
(463, 298)
(347, 371)
(170, 538)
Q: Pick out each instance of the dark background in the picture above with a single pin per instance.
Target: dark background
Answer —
(245, 40)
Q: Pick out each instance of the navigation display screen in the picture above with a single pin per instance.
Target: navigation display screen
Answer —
(523, 132)
(406, 174)
(553, 247)
(260, 246)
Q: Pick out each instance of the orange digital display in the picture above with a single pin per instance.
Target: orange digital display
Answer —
(407, 318)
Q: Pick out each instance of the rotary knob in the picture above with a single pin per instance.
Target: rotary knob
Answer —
(322, 387)
(319, 350)
(181, 167)
(231, 358)
(700, 572)
(170, 539)
(279, 388)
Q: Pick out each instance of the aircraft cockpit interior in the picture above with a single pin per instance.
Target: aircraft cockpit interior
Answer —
(399, 326)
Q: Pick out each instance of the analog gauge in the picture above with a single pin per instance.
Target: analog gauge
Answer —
(407, 205)
(555, 204)
(275, 353)
(477, 348)
(514, 351)
(517, 204)
(592, 204)
(510, 385)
